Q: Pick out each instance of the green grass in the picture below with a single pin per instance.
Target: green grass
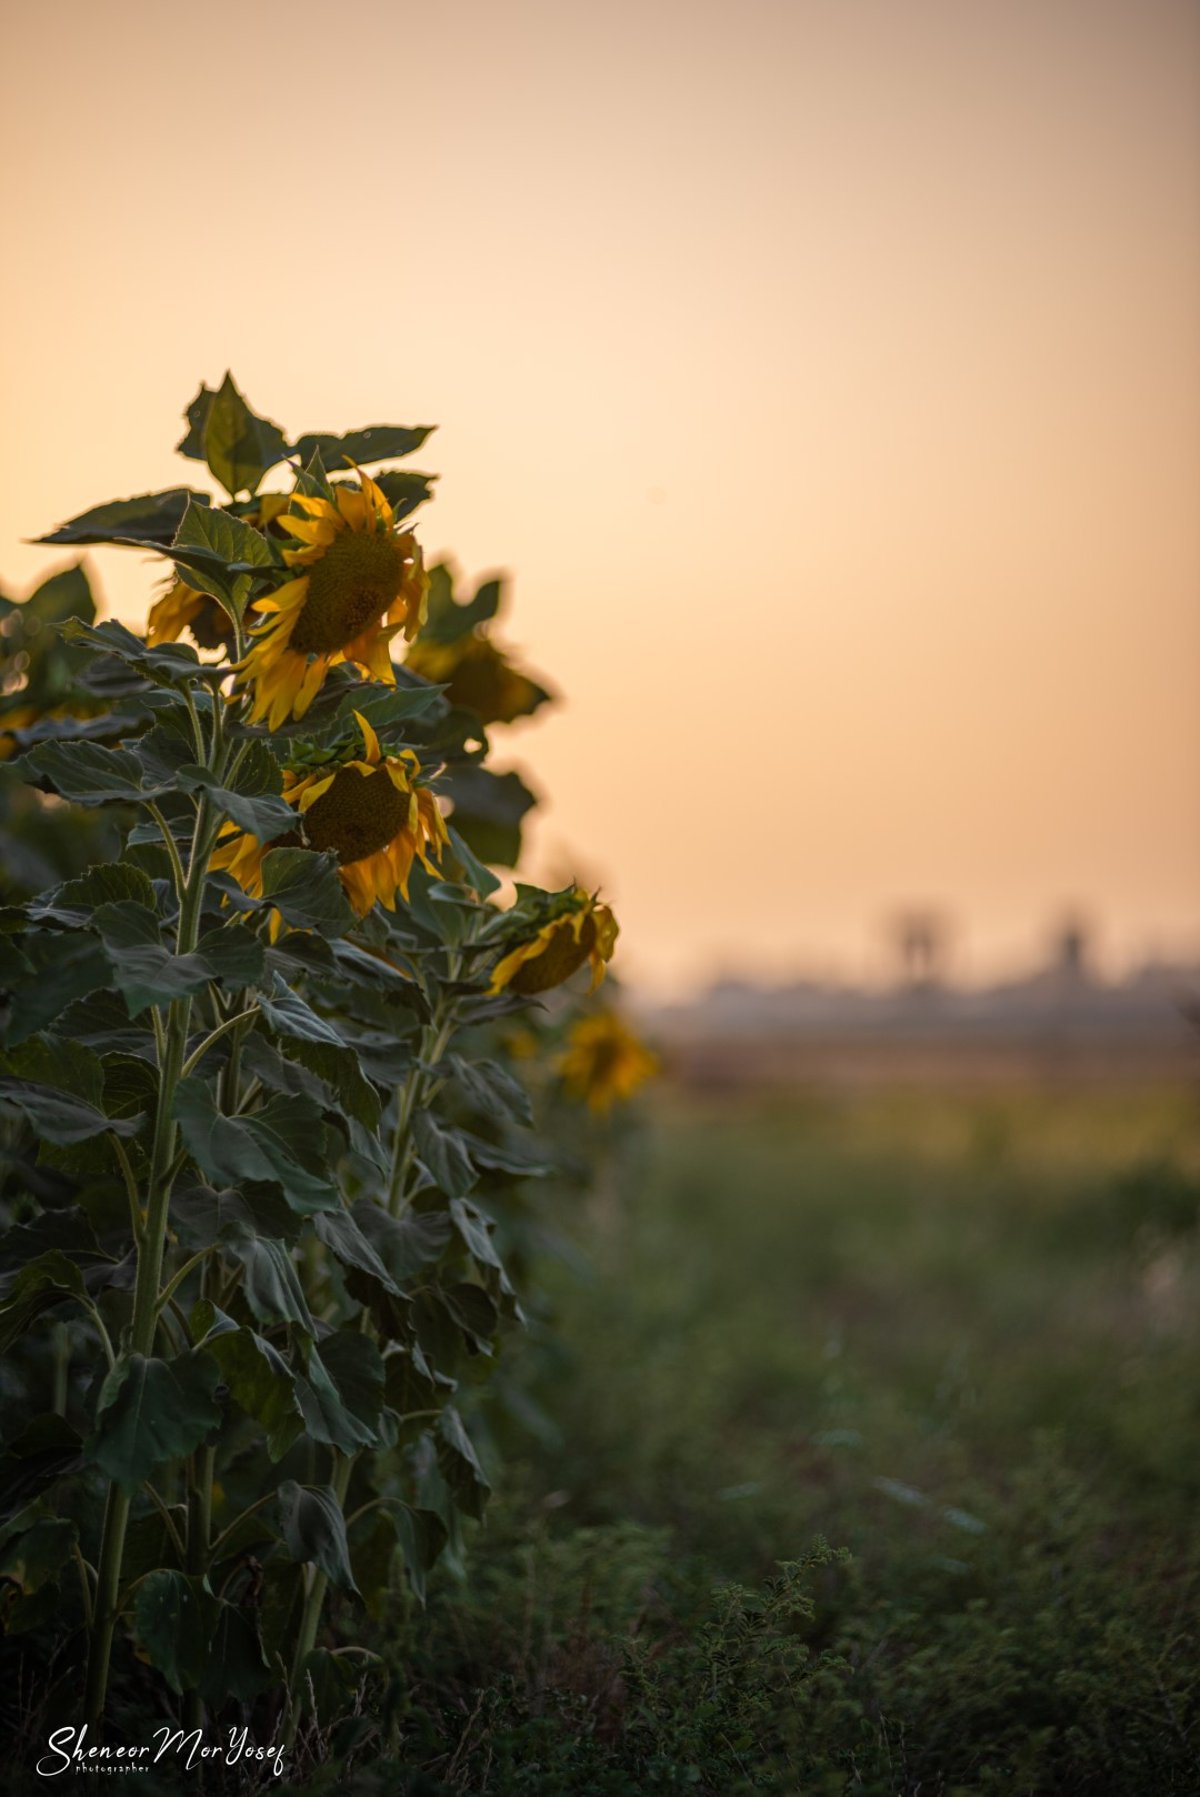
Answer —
(958, 1340)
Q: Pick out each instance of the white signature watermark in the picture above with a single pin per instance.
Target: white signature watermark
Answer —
(69, 1752)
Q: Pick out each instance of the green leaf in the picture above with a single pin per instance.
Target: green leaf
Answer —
(170, 1620)
(239, 446)
(52, 1061)
(270, 1283)
(421, 1535)
(474, 1313)
(146, 971)
(74, 901)
(450, 619)
(151, 1411)
(408, 1244)
(404, 490)
(49, 1280)
(328, 1416)
(476, 874)
(32, 1558)
(44, 1451)
(173, 664)
(488, 809)
(343, 1237)
(355, 1365)
(201, 1216)
(60, 1117)
(279, 1144)
(260, 1380)
(198, 1641)
(471, 1226)
(150, 518)
(443, 1154)
(491, 1089)
(86, 773)
(228, 547)
(376, 443)
(305, 889)
(235, 1664)
(314, 1530)
(53, 971)
(67, 594)
(68, 1231)
(318, 1047)
(459, 1463)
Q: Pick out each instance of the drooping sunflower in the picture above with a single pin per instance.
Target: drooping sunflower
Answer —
(182, 608)
(361, 582)
(584, 931)
(374, 812)
(479, 675)
(604, 1061)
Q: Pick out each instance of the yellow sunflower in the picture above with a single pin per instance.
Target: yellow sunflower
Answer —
(604, 1060)
(362, 581)
(585, 932)
(182, 608)
(371, 812)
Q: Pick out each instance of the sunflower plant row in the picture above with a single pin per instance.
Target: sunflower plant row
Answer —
(259, 1119)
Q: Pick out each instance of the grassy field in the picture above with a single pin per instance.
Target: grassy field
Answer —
(957, 1342)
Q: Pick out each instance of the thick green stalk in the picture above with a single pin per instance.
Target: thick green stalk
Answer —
(148, 1278)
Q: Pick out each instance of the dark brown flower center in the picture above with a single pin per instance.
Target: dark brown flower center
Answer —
(349, 587)
(357, 816)
(558, 962)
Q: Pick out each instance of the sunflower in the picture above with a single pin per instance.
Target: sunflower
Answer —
(361, 582)
(479, 676)
(371, 812)
(604, 1060)
(182, 608)
(585, 931)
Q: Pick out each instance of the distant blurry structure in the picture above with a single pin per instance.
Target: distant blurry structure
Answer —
(921, 937)
(1059, 1022)
(1071, 949)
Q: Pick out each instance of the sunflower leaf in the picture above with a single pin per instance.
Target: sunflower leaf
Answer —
(404, 490)
(238, 445)
(49, 1280)
(314, 1530)
(459, 1463)
(376, 443)
(147, 972)
(61, 1116)
(232, 542)
(150, 518)
(278, 1144)
(151, 1411)
(261, 1382)
(304, 887)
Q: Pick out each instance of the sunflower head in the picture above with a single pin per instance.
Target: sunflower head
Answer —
(182, 608)
(358, 582)
(478, 676)
(373, 812)
(580, 930)
(604, 1061)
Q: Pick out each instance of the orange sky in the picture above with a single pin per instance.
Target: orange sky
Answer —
(827, 372)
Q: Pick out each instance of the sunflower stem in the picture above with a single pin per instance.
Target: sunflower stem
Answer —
(148, 1278)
